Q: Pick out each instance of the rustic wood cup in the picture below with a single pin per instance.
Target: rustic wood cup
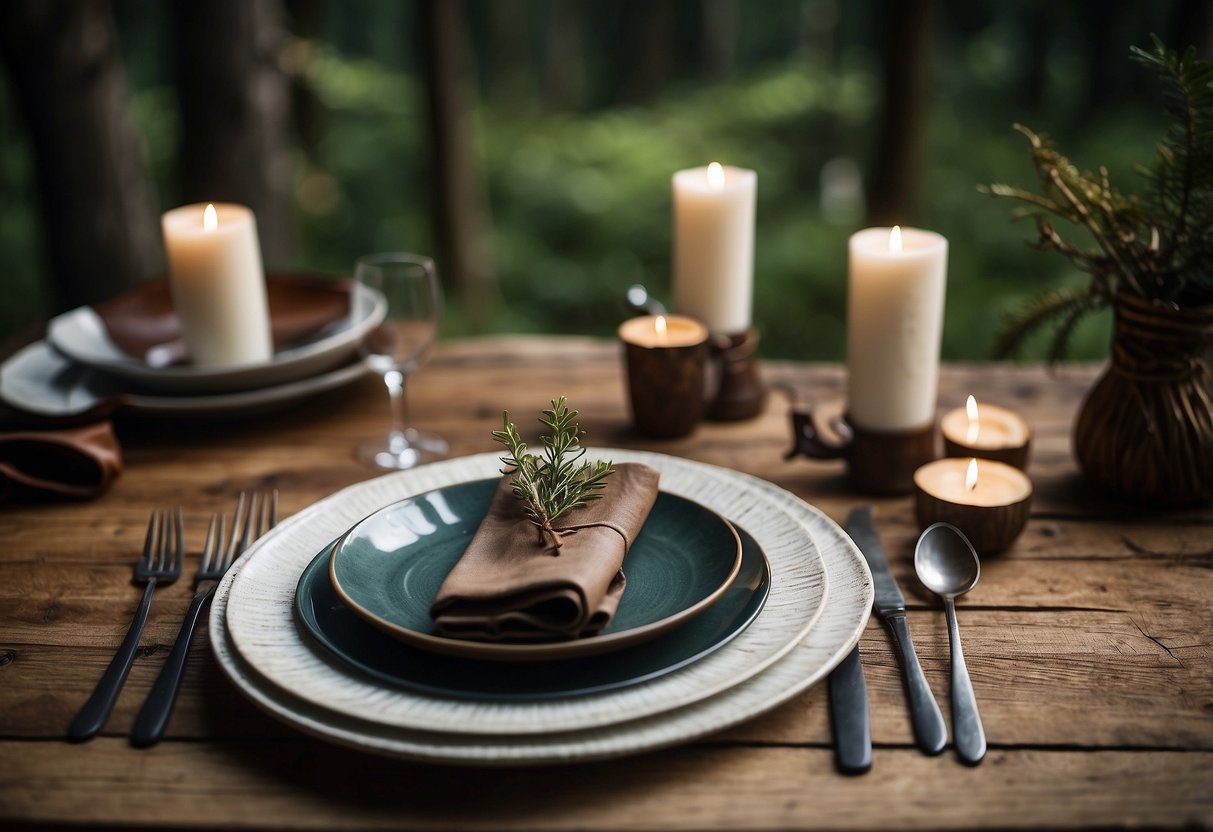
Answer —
(881, 463)
(665, 380)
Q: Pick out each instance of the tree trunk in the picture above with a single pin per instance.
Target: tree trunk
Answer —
(901, 133)
(461, 208)
(507, 61)
(646, 32)
(1038, 25)
(99, 223)
(235, 112)
(564, 63)
(718, 48)
(308, 21)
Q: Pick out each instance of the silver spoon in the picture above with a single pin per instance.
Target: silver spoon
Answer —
(947, 565)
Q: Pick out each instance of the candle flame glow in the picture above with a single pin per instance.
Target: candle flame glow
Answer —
(715, 176)
(895, 240)
(660, 327)
(210, 220)
(971, 475)
(974, 423)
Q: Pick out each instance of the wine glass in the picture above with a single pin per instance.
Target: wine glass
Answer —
(409, 283)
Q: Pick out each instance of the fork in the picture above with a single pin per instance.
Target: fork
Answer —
(219, 552)
(160, 565)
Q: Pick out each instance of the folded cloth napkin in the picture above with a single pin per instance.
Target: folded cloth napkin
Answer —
(143, 317)
(508, 586)
(79, 463)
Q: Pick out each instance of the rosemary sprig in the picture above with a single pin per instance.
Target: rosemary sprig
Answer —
(552, 484)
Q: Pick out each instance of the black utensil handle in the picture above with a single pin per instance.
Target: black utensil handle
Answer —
(97, 709)
(929, 729)
(153, 716)
(849, 716)
(967, 734)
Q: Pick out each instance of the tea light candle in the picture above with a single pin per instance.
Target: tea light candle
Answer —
(894, 322)
(987, 500)
(986, 431)
(217, 283)
(714, 245)
(665, 357)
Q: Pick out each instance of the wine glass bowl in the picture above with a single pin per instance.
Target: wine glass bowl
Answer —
(409, 284)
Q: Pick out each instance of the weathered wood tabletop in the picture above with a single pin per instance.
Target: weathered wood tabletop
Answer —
(1090, 642)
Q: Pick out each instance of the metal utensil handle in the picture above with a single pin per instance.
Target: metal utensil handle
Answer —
(849, 716)
(96, 710)
(153, 716)
(967, 733)
(929, 729)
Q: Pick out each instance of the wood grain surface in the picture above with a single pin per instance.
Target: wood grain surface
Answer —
(1090, 640)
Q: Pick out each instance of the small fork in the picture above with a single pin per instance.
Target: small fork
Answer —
(160, 564)
(220, 551)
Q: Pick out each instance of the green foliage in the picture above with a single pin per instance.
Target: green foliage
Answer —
(1158, 245)
(553, 484)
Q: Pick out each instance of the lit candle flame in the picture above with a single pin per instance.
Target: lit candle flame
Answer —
(974, 423)
(971, 475)
(210, 220)
(715, 176)
(659, 326)
(895, 240)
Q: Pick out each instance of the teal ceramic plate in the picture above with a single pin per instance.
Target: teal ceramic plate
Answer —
(389, 566)
(330, 622)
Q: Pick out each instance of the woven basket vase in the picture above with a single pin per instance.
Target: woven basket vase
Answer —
(1145, 431)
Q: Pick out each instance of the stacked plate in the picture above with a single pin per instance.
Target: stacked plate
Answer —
(324, 622)
(80, 368)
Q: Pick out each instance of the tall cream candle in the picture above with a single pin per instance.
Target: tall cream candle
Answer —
(894, 323)
(714, 246)
(218, 286)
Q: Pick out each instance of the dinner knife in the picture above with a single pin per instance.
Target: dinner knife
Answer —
(929, 729)
(849, 716)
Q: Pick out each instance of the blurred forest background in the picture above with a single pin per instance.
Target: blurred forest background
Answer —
(529, 144)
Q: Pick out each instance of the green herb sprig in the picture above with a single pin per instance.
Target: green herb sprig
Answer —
(552, 484)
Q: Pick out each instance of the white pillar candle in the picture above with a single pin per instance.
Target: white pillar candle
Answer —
(218, 286)
(714, 246)
(894, 323)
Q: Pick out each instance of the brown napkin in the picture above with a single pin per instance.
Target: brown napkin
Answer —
(79, 463)
(299, 306)
(508, 587)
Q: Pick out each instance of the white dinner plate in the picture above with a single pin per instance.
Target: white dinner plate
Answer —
(81, 336)
(262, 625)
(40, 381)
(844, 615)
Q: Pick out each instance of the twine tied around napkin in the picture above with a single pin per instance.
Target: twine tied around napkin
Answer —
(508, 587)
(78, 463)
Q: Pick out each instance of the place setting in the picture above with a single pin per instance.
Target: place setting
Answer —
(217, 336)
(738, 595)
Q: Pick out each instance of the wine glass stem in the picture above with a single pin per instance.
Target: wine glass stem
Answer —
(394, 379)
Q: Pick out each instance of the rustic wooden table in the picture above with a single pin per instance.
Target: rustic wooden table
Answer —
(1090, 642)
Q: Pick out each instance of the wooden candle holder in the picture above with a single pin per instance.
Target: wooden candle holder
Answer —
(666, 375)
(1003, 435)
(741, 393)
(991, 515)
(878, 462)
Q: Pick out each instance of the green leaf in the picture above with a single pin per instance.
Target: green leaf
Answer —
(1061, 307)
